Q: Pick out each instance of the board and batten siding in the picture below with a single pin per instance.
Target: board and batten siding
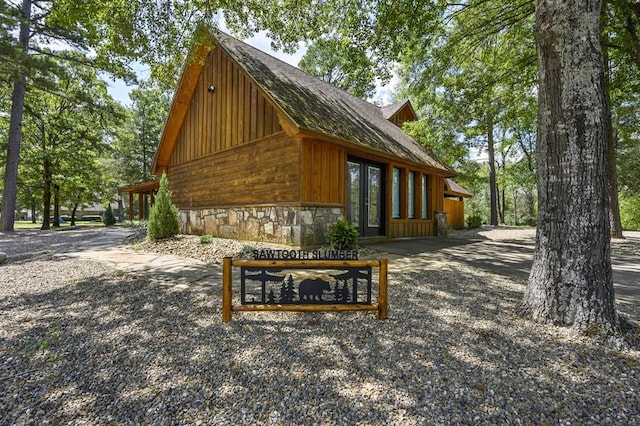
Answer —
(261, 172)
(415, 227)
(323, 173)
(235, 113)
(455, 212)
(402, 116)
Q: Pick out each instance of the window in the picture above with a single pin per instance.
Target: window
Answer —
(425, 211)
(395, 193)
(353, 192)
(411, 194)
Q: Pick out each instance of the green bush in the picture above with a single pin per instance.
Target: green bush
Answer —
(163, 217)
(206, 239)
(474, 222)
(109, 218)
(343, 235)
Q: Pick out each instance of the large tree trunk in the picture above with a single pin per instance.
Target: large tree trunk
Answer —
(493, 187)
(571, 281)
(73, 214)
(9, 193)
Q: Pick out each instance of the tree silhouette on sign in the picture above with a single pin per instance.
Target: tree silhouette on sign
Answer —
(288, 292)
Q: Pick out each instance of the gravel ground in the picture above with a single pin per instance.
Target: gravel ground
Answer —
(83, 344)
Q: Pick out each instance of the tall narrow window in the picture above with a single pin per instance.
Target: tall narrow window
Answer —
(395, 193)
(425, 211)
(411, 194)
(353, 192)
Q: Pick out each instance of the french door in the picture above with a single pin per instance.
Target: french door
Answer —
(365, 196)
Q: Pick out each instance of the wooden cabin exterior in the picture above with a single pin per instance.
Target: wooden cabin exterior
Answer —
(454, 196)
(255, 149)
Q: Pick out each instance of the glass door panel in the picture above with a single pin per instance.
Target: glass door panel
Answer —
(365, 197)
(353, 193)
(374, 193)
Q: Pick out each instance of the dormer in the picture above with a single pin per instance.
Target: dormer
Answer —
(399, 113)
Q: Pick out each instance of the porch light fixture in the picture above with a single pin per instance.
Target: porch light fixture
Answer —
(211, 89)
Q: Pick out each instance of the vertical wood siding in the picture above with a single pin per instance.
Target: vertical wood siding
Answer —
(402, 117)
(323, 172)
(455, 212)
(234, 114)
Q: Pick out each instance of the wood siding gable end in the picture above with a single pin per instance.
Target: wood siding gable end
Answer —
(179, 107)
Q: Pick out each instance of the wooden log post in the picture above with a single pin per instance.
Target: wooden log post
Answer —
(382, 290)
(226, 289)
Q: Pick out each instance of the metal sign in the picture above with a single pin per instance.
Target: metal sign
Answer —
(331, 285)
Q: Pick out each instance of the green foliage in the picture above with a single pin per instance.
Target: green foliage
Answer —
(343, 235)
(630, 211)
(109, 218)
(337, 64)
(137, 138)
(474, 222)
(206, 239)
(163, 217)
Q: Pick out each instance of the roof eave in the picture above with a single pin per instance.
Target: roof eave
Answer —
(313, 134)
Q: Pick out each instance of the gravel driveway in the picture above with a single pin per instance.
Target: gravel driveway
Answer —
(83, 343)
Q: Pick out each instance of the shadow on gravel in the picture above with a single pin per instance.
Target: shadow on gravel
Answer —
(114, 349)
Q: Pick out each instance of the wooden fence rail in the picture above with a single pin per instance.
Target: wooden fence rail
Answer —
(227, 277)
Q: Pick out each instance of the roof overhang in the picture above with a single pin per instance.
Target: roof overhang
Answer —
(141, 188)
(453, 189)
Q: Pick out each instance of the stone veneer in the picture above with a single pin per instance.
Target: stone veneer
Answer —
(297, 226)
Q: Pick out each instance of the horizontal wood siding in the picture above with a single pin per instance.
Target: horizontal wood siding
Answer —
(455, 212)
(323, 170)
(261, 172)
(235, 113)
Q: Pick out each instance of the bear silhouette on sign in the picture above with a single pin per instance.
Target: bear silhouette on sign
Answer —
(310, 290)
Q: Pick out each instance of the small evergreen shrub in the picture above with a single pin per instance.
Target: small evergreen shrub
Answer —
(109, 218)
(206, 239)
(343, 235)
(474, 221)
(163, 217)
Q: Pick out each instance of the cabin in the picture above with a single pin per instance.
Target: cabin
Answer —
(256, 149)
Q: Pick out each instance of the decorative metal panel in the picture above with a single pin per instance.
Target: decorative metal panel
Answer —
(339, 285)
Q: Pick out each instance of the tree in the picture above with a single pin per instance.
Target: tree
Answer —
(470, 79)
(109, 218)
(333, 62)
(163, 217)
(65, 133)
(7, 214)
(136, 140)
(571, 280)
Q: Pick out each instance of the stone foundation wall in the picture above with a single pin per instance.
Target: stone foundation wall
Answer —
(296, 226)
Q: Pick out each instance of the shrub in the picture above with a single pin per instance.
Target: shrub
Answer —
(163, 217)
(343, 235)
(109, 218)
(206, 239)
(474, 222)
